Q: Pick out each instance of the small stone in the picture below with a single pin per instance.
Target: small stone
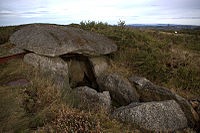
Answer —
(18, 82)
(102, 98)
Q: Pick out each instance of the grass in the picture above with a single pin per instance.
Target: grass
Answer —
(166, 59)
(42, 107)
(5, 33)
(4, 49)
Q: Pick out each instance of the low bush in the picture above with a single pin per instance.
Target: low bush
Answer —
(159, 56)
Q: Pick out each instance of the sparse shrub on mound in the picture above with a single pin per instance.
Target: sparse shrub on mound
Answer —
(166, 59)
(92, 25)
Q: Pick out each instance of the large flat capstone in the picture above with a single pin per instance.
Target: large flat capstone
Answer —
(53, 40)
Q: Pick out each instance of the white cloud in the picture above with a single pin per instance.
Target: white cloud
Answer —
(148, 11)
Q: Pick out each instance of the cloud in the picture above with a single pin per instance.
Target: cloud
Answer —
(7, 13)
(25, 14)
(40, 12)
(186, 18)
(155, 5)
(66, 11)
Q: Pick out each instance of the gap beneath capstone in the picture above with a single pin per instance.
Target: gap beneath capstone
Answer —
(80, 71)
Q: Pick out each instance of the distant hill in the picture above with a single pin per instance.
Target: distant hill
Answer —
(163, 26)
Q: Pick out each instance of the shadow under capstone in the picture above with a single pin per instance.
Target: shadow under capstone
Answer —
(80, 71)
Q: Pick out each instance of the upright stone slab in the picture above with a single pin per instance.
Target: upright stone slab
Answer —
(56, 67)
(99, 65)
(80, 72)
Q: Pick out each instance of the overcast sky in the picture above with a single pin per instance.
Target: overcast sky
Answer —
(14, 12)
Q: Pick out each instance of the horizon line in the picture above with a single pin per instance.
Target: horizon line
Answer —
(151, 24)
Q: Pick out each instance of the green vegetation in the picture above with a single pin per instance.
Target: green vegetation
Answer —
(166, 59)
(4, 49)
(195, 32)
(42, 107)
(5, 33)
